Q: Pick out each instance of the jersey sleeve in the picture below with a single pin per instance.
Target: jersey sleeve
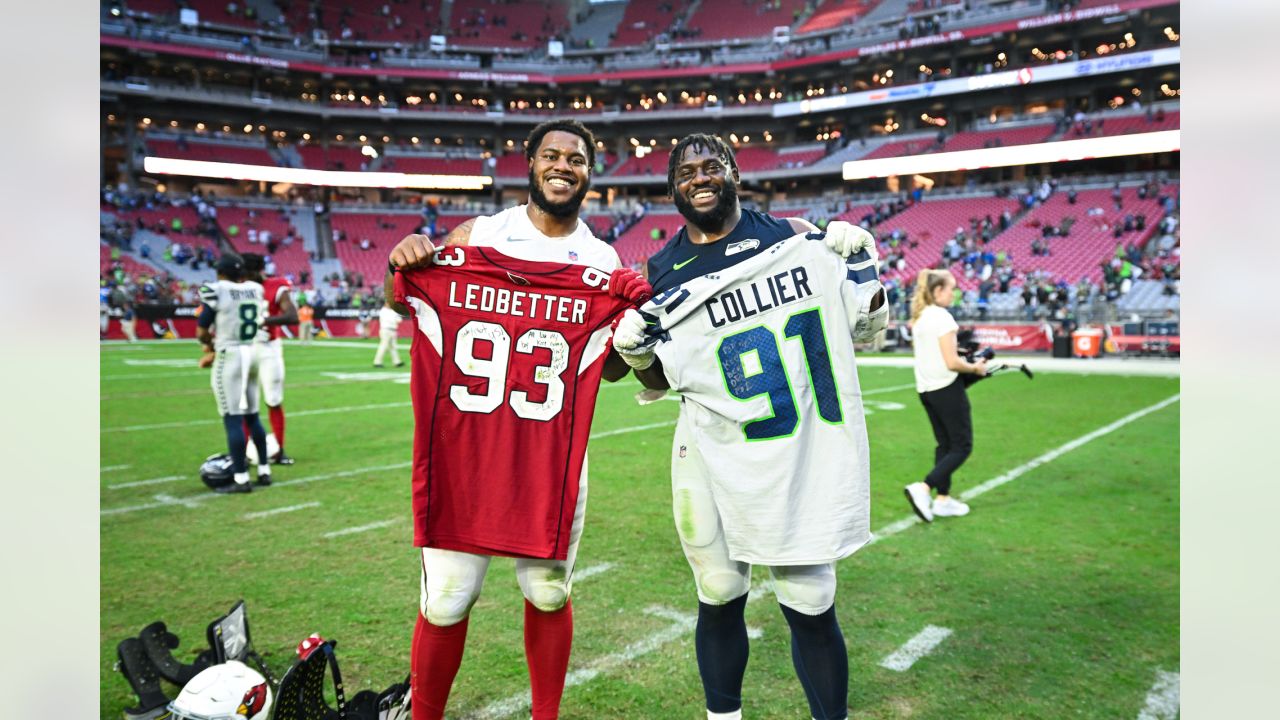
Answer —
(401, 290)
(206, 316)
(209, 296)
(281, 292)
(858, 289)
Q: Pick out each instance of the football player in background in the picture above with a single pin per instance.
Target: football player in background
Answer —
(560, 155)
(280, 311)
(234, 307)
(388, 325)
(769, 458)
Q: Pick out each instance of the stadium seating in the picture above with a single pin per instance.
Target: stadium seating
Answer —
(931, 223)
(513, 164)
(900, 148)
(655, 163)
(732, 19)
(128, 264)
(366, 21)
(334, 157)
(210, 151)
(643, 20)
(212, 11)
(1091, 240)
(432, 165)
(507, 24)
(755, 158)
(290, 259)
(834, 13)
(1105, 124)
(636, 244)
(978, 139)
(372, 263)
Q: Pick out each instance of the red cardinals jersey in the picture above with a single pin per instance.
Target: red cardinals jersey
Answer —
(507, 356)
(275, 288)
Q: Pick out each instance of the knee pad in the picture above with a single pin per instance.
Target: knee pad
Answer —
(808, 592)
(718, 586)
(547, 591)
(446, 606)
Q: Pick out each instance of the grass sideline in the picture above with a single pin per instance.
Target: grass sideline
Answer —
(1060, 588)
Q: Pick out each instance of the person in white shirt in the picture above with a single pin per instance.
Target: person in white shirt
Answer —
(942, 392)
(388, 325)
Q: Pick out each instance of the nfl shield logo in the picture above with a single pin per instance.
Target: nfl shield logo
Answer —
(684, 451)
(573, 255)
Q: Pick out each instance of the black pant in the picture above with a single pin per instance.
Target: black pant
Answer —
(949, 415)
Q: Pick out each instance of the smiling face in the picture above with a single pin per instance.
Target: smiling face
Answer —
(559, 174)
(705, 188)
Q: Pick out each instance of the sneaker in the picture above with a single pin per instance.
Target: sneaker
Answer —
(950, 507)
(400, 364)
(281, 459)
(234, 487)
(918, 495)
(263, 480)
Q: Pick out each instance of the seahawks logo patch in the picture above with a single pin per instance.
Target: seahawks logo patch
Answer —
(742, 246)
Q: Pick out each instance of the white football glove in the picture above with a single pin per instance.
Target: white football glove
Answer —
(629, 340)
(848, 239)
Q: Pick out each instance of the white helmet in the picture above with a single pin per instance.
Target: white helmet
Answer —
(251, 450)
(229, 691)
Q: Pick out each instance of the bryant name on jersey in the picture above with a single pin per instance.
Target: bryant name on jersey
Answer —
(745, 301)
(501, 301)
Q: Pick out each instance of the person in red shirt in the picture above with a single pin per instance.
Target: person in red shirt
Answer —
(499, 361)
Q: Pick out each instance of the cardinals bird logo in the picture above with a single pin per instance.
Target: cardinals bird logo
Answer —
(255, 698)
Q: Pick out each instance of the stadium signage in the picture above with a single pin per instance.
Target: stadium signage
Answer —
(1009, 78)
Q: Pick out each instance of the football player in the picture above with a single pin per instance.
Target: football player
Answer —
(769, 457)
(388, 325)
(270, 348)
(560, 154)
(234, 307)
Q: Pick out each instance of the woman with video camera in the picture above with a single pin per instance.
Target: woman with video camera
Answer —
(938, 366)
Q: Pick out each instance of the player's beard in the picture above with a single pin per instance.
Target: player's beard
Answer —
(711, 220)
(565, 209)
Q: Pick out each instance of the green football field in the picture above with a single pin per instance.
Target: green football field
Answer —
(1056, 597)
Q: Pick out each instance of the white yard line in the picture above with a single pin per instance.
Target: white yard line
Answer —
(592, 570)
(898, 526)
(280, 510)
(361, 528)
(894, 388)
(1163, 700)
(634, 428)
(190, 502)
(292, 414)
(113, 468)
(917, 647)
(140, 483)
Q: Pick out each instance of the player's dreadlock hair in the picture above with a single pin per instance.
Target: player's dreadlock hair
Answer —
(698, 141)
(563, 125)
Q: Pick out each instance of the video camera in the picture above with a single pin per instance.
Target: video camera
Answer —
(970, 350)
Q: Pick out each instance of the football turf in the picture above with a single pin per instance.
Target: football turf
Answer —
(1060, 589)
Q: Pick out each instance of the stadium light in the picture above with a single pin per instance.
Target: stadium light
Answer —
(1050, 152)
(301, 176)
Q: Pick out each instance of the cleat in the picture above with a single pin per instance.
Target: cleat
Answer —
(400, 364)
(377, 365)
(281, 459)
(263, 481)
(918, 495)
(950, 507)
(234, 487)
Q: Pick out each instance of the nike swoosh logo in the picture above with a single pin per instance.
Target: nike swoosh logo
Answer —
(679, 265)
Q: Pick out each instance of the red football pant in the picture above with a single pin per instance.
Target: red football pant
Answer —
(437, 653)
(548, 637)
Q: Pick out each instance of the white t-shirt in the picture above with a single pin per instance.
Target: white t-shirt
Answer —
(512, 233)
(931, 369)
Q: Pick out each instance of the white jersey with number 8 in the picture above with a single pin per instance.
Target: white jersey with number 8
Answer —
(240, 306)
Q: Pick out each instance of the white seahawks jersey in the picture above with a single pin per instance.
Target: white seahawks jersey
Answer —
(240, 308)
(762, 352)
(512, 233)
